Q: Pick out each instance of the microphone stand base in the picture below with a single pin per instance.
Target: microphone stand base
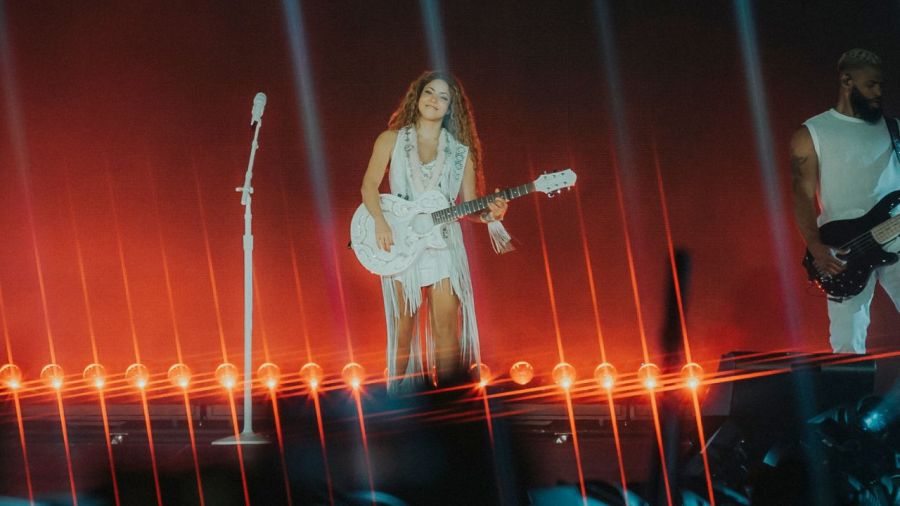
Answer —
(246, 438)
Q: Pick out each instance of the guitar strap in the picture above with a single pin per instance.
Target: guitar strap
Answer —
(895, 135)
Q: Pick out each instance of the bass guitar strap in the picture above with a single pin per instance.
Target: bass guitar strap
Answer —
(895, 135)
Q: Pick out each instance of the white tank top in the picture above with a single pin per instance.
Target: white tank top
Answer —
(857, 164)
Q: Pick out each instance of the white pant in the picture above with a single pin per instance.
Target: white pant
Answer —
(850, 318)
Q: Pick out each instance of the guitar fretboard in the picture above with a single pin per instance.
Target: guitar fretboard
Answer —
(887, 230)
(473, 206)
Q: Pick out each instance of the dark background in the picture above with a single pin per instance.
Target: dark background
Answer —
(156, 97)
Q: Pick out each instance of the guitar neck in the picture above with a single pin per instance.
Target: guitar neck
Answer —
(456, 212)
(887, 230)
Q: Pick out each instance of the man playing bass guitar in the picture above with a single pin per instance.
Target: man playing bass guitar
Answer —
(845, 170)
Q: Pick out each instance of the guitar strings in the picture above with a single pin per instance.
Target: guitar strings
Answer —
(450, 213)
(859, 246)
(864, 240)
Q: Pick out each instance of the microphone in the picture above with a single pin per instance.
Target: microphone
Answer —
(259, 103)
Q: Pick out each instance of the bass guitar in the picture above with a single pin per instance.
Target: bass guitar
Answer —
(417, 224)
(869, 239)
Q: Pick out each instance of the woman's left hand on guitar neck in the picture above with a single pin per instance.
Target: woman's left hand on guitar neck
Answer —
(496, 209)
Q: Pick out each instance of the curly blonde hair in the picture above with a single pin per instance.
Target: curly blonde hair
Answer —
(459, 120)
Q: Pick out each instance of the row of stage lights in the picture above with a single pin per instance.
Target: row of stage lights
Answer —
(353, 374)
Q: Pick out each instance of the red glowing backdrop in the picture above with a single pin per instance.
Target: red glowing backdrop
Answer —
(152, 100)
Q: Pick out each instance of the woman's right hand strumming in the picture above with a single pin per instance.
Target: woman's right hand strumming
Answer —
(384, 236)
(381, 156)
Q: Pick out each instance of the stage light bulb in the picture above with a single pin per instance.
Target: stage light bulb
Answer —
(353, 375)
(564, 375)
(95, 374)
(692, 374)
(874, 421)
(873, 414)
(606, 375)
(521, 372)
(180, 375)
(227, 375)
(11, 376)
(138, 375)
(269, 374)
(648, 375)
(482, 372)
(312, 375)
(53, 376)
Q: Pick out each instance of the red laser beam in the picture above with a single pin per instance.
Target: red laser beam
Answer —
(315, 395)
(209, 264)
(65, 434)
(109, 451)
(190, 425)
(21, 424)
(298, 287)
(680, 303)
(340, 286)
(93, 338)
(671, 249)
(603, 359)
(365, 440)
(590, 275)
(630, 256)
(571, 413)
(165, 265)
(3, 321)
(121, 251)
(151, 446)
(490, 425)
(559, 345)
(40, 275)
(659, 443)
(279, 435)
(703, 447)
(638, 308)
(487, 415)
(615, 428)
(549, 277)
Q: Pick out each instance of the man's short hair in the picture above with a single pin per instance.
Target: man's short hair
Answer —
(856, 59)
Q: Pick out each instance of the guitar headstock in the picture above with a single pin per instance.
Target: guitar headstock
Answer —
(555, 181)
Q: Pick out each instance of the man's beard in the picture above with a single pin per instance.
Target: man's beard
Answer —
(862, 107)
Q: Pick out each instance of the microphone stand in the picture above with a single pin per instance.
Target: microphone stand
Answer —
(247, 436)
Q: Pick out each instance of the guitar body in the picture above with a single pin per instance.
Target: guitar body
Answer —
(863, 258)
(412, 227)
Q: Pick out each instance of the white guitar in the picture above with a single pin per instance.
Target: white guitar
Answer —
(416, 224)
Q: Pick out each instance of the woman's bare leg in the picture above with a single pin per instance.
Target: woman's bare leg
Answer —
(405, 324)
(444, 314)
